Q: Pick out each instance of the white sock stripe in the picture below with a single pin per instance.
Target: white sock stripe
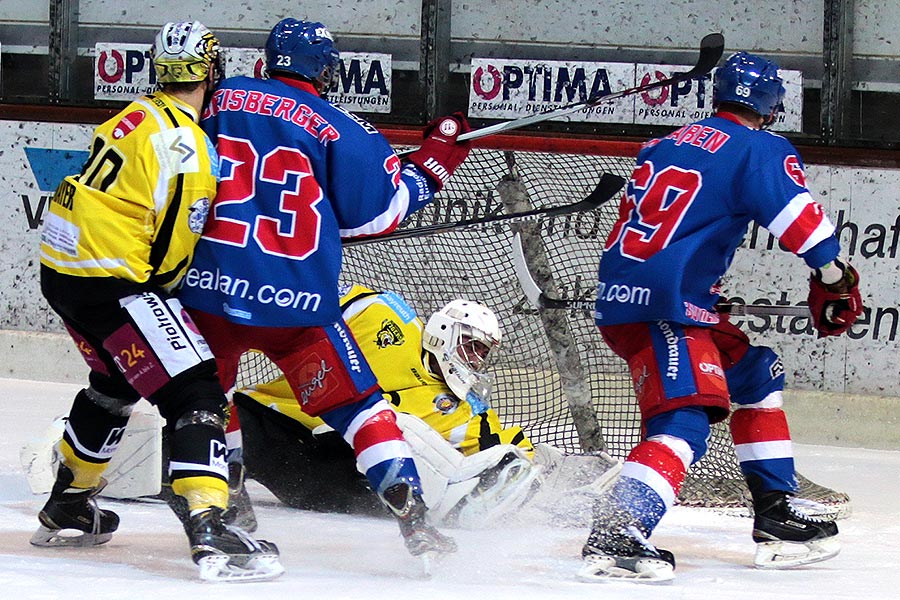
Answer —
(362, 417)
(183, 466)
(381, 452)
(677, 445)
(105, 452)
(233, 440)
(653, 479)
(764, 450)
(773, 400)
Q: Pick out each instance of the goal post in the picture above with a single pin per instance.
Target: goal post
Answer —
(554, 376)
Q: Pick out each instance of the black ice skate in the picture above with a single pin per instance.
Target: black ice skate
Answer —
(787, 536)
(421, 538)
(227, 553)
(71, 516)
(624, 553)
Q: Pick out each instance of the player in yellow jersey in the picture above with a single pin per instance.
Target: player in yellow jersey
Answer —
(117, 239)
(474, 470)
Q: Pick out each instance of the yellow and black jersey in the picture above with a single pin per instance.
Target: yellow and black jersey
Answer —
(138, 207)
(390, 336)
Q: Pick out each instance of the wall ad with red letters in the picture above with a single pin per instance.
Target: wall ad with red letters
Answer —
(511, 89)
(125, 71)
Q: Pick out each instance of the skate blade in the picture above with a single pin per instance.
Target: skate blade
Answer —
(216, 567)
(642, 570)
(431, 560)
(67, 538)
(784, 555)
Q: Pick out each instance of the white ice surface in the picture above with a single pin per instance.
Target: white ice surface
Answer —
(337, 556)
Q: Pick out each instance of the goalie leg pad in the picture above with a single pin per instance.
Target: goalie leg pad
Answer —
(500, 490)
(134, 471)
(470, 490)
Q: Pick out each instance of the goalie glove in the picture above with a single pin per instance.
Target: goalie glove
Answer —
(440, 154)
(834, 306)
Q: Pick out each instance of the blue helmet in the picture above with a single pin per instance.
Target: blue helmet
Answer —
(304, 48)
(752, 81)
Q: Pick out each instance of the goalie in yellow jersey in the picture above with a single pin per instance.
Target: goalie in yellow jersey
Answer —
(435, 374)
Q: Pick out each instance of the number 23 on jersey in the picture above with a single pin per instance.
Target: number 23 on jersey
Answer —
(297, 235)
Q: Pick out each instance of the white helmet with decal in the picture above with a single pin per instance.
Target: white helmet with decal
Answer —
(462, 337)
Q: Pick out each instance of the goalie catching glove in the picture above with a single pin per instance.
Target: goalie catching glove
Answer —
(441, 153)
(837, 305)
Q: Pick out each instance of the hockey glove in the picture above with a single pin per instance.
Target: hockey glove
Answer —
(836, 306)
(440, 153)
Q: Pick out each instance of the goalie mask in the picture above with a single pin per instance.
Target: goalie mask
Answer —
(185, 52)
(462, 336)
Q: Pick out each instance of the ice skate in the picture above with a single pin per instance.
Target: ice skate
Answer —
(227, 553)
(625, 554)
(421, 538)
(786, 535)
(240, 511)
(71, 516)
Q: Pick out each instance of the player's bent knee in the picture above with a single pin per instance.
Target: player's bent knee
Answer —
(120, 407)
(684, 430)
(201, 417)
(758, 377)
(196, 389)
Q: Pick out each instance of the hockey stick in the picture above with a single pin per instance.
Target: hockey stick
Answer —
(607, 187)
(539, 299)
(761, 310)
(711, 47)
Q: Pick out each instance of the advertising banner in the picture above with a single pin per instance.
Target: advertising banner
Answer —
(514, 88)
(125, 71)
(509, 89)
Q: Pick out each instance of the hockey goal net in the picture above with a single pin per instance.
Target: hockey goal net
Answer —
(554, 376)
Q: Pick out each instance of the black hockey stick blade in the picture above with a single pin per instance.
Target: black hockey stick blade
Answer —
(606, 188)
(762, 310)
(533, 292)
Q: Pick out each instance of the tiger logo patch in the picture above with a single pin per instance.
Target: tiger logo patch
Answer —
(390, 334)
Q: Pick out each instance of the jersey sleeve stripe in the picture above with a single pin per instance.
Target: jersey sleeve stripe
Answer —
(801, 224)
(388, 220)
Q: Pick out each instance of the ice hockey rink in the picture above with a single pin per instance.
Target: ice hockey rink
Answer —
(329, 556)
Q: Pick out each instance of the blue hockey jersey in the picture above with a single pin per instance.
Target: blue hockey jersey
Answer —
(297, 175)
(686, 210)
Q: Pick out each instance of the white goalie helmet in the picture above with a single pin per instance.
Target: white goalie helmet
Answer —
(462, 336)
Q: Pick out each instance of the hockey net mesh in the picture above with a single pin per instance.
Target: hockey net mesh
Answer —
(530, 389)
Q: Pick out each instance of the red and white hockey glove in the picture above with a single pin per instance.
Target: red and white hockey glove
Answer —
(836, 306)
(440, 153)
